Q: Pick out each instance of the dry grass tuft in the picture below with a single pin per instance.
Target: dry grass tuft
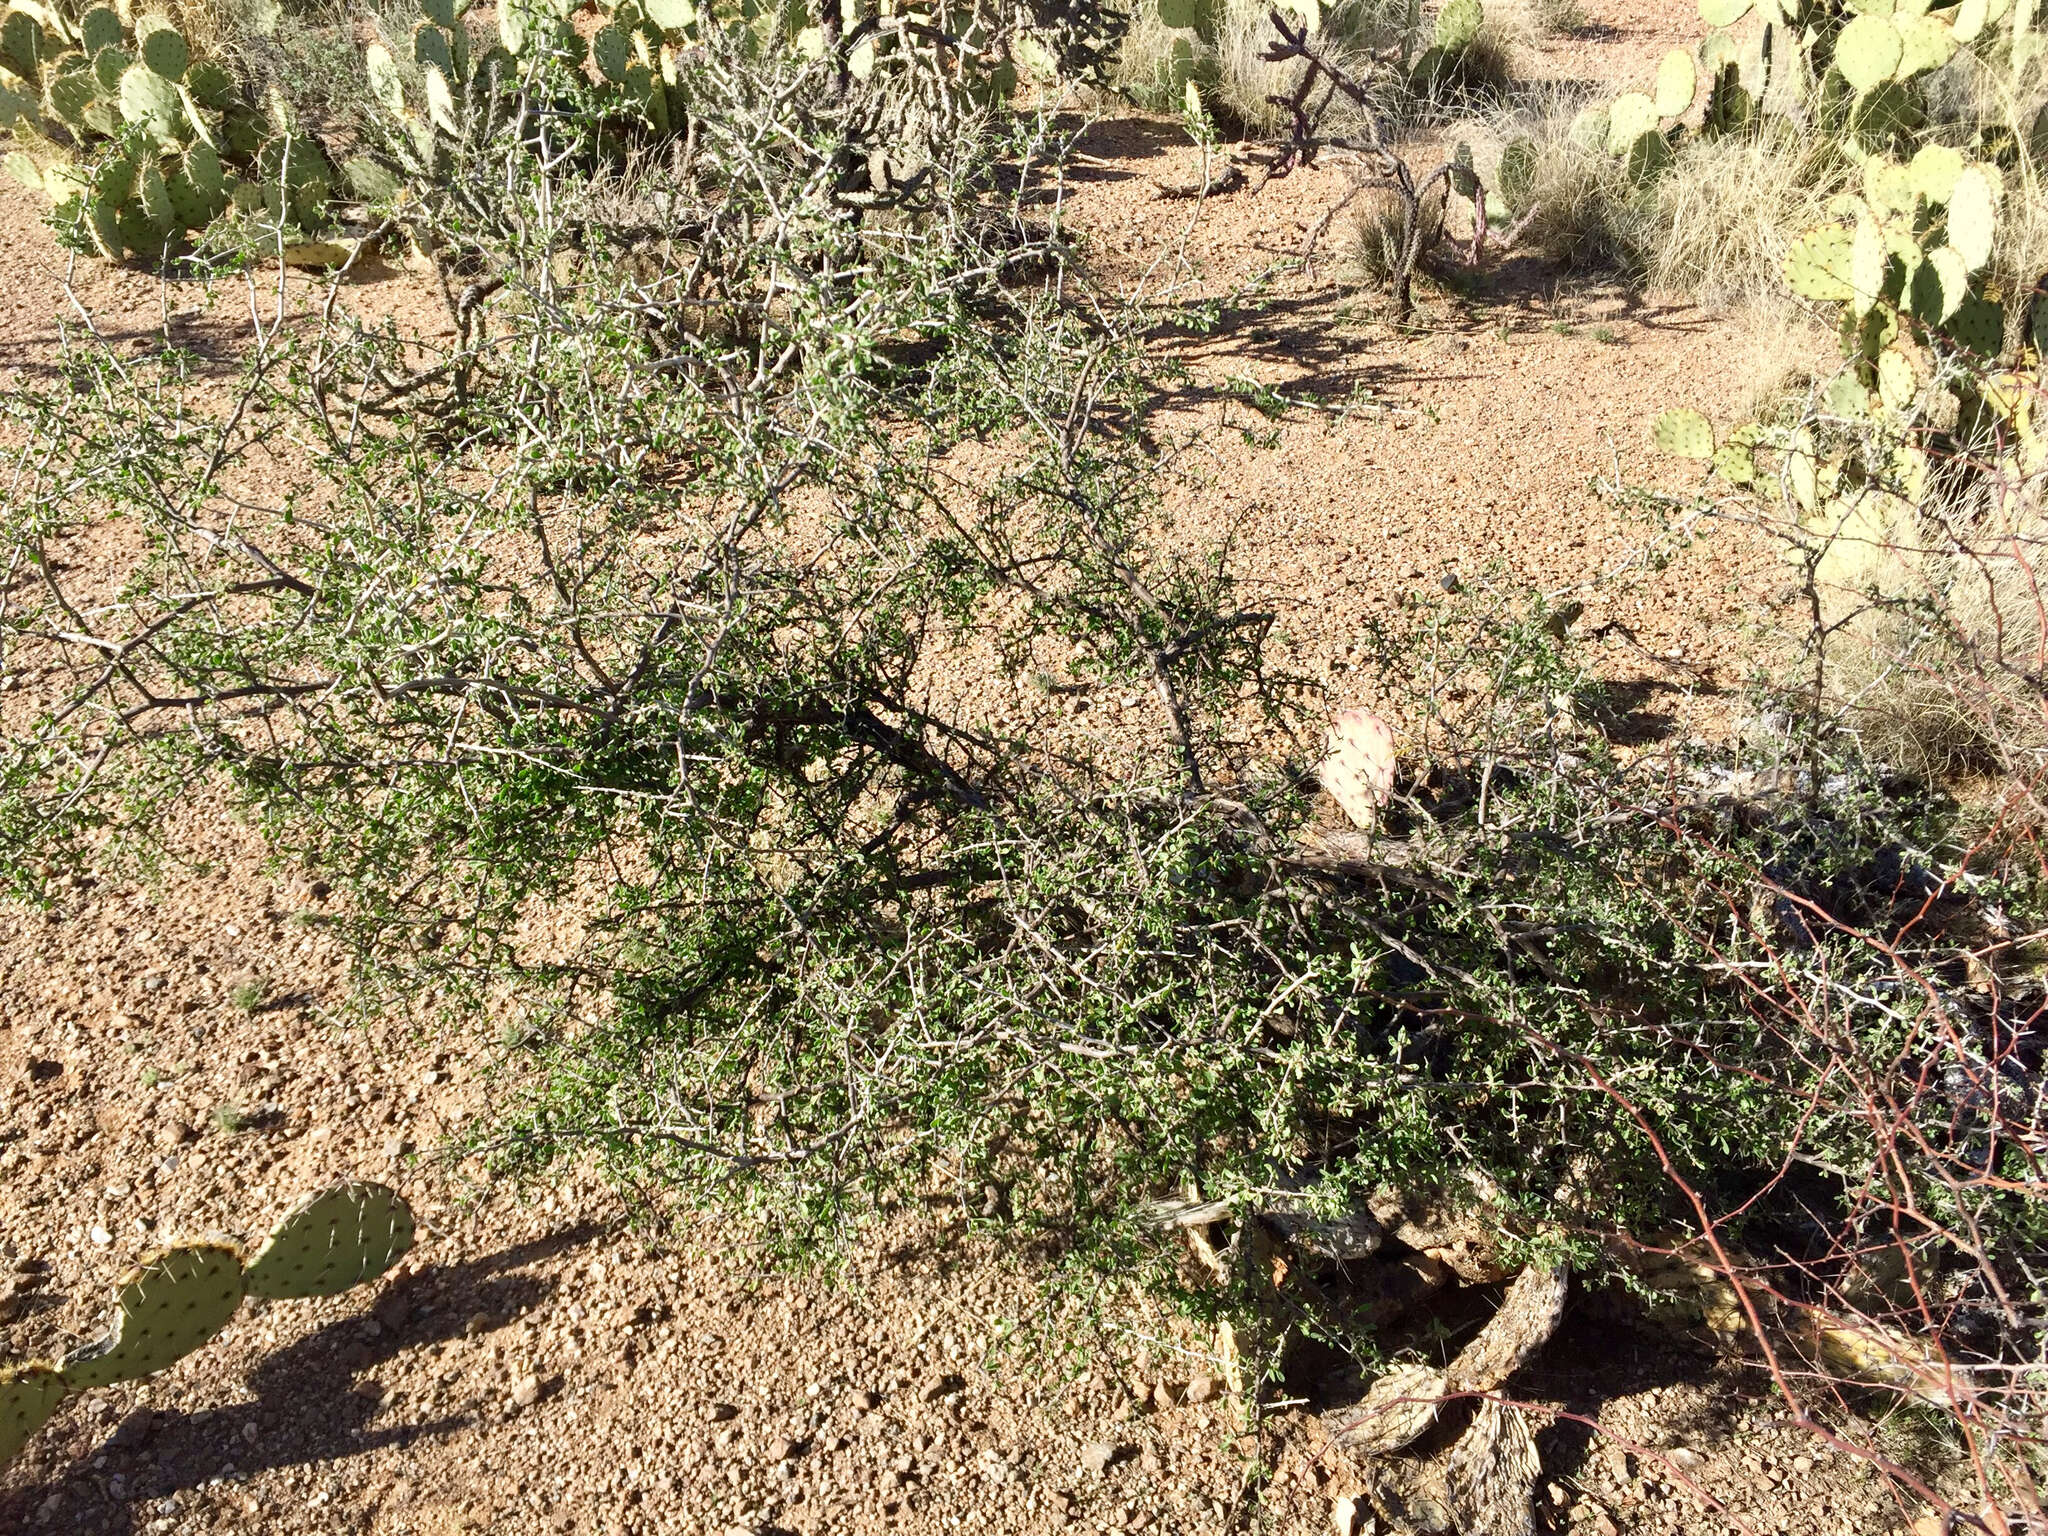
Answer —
(1938, 633)
(1581, 196)
(1716, 225)
(1233, 75)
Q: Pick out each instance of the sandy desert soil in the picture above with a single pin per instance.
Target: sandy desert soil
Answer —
(182, 1058)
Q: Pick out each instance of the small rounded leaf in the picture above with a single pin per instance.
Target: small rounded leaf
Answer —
(1684, 432)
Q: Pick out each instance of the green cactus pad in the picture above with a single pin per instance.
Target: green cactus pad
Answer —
(1869, 264)
(1933, 171)
(1730, 107)
(1978, 325)
(1938, 287)
(440, 12)
(1881, 117)
(1735, 460)
(1724, 13)
(1973, 215)
(1457, 24)
(23, 47)
(1928, 43)
(69, 95)
(1802, 473)
(1631, 116)
(1684, 433)
(151, 102)
(208, 177)
(162, 47)
(172, 1304)
(332, 1240)
(386, 84)
(611, 50)
(211, 86)
(29, 1394)
(1817, 265)
(155, 197)
(1868, 51)
(430, 46)
(1648, 157)
(1845, 396)
(108, 66)
(99, 28)
(515, 26)
(370, 180)
(675, 15)
(1590, 128)
(440, 100)
(1676, 83)
(1897, 380)
(1718, 52)
(1178, 13)
(24, 170)
(1888, 187)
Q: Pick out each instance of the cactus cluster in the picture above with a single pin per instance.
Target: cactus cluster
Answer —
(1904, 258)
(137, 142)
(1862, 66)
(180, 1297)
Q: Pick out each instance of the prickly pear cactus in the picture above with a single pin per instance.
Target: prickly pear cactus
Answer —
(138, 143)
(29, 1394)
(1359, 770)
(1528, 1316)
(340, 1237)
(174, 1302)
(179, 1298)
(1685, 433)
